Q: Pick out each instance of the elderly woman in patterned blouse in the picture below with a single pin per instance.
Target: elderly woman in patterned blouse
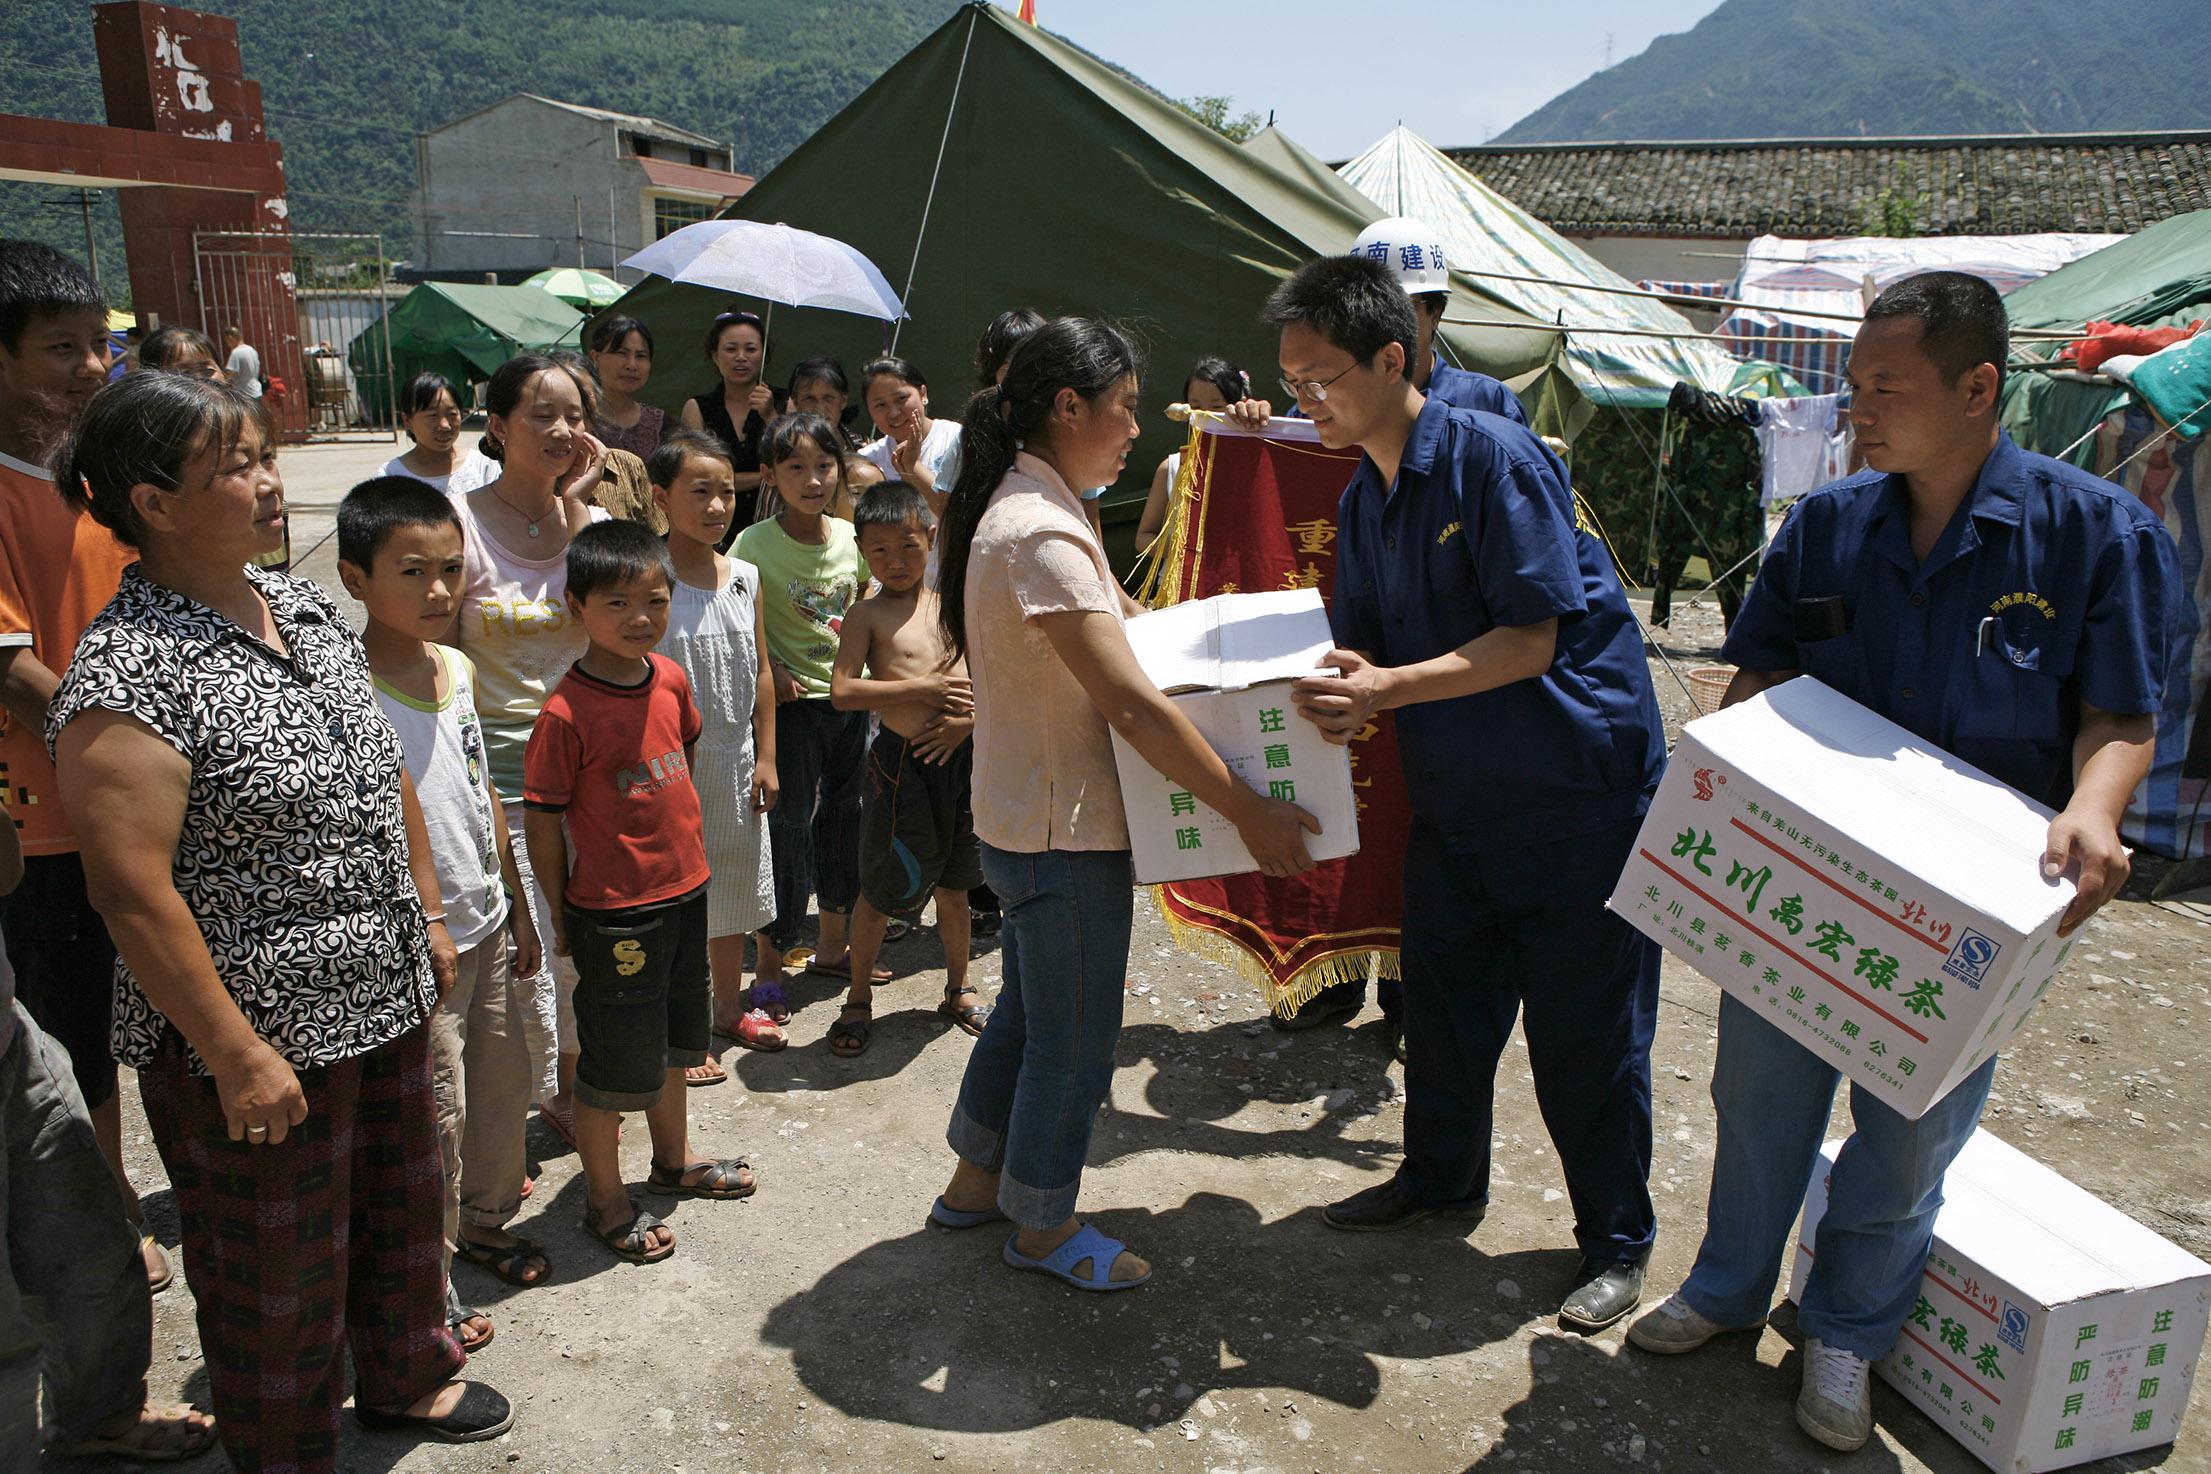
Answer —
(251, 837)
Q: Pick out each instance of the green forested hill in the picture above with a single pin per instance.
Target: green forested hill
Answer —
(348, 83)
(1813, 68)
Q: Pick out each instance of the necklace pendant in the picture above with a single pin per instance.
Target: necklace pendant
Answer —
(533, 529)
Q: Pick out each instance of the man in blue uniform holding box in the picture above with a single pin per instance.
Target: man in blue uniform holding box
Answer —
(1413, 252)
(1470, 600)
(2012, 610)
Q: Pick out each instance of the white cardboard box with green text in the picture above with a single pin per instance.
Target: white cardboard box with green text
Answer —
(1869, 894)
(2050, 1328)
(1227, 662)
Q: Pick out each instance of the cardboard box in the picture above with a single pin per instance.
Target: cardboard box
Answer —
(2051, 1328)
(1872, 896)
(1227, 662)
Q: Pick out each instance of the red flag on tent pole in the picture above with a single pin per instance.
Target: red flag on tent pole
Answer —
(1027, 11)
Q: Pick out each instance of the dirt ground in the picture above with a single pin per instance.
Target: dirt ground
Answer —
(822, 1326)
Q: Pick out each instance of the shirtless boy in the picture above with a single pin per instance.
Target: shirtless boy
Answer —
(918, 832)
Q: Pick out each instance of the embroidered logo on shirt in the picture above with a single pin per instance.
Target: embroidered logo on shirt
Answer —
(1445, 535)
(2032, 601)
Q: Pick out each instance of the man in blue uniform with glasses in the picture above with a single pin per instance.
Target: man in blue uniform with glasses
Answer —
(2012, 610)
(1472, 601)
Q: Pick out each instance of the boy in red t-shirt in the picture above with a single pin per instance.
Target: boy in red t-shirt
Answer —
(608, 772)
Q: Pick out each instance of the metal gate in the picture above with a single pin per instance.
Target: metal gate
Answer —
(323, 291)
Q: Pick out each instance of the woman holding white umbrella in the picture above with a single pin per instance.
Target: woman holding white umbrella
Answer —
(738, 408)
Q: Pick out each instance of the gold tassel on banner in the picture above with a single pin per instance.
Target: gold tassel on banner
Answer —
(1163, 582)
(1286, 997)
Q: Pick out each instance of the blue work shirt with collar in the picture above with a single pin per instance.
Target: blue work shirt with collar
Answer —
(1465, 389)
(1480, 532)
(2048, 588)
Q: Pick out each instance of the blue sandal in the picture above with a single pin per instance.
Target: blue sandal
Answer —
(944, 1216)
(1085, 1243)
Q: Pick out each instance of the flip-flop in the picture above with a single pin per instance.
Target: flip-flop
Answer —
(460, 1313)
(843, 969)
(851, 1031)
(971, 1018)
(719, 1076)
(756, 1030)
(716, 1180)
(161, 1279)
(1085, 1243)
(561, 1129)
(628, 1240)
(129, 1447)
(506, 1261)
(768, 999)
(944, 1216)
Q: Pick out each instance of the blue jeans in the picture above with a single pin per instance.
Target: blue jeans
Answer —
(1040, 1071)
(73, 1290)
(1523, 934)
(1773, 1098)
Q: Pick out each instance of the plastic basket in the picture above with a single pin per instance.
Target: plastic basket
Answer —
(1708, 686)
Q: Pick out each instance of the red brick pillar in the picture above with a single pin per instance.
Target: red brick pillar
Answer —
(176, 75)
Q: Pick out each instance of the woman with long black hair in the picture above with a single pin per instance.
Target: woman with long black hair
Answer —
(1029, 600)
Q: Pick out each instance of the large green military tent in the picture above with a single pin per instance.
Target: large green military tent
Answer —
(997, 166)
(460, 330)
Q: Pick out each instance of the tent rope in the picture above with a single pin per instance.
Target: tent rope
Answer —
(951, 110)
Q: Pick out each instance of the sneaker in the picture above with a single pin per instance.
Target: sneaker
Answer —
(1836, 1405)
(1674, 1328)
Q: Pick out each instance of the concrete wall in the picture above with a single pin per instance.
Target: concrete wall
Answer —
(1667, 258)
(523, 169)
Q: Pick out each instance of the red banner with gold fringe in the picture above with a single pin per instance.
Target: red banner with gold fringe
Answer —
(1252, 513)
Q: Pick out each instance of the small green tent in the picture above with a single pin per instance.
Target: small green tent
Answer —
(2157, 277)
(460, 330)
(998, 166)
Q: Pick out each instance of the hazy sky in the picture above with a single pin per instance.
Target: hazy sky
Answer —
(1338, 74)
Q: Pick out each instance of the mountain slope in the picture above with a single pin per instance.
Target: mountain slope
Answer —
(1811, 68)
(348, 83)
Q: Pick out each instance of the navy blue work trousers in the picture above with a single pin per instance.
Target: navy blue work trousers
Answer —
(1523, 932)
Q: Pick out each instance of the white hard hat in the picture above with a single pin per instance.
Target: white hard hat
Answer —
(1410, 248)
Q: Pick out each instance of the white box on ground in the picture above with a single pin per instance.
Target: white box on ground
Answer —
(1870, 895)
(2050, 1328)
(1227, 662)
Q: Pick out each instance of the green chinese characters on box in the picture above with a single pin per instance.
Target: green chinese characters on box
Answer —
(1227, 664)
(1879, 901)
(2049, 1328)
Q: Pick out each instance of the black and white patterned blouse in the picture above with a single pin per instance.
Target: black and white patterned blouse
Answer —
(293, 855)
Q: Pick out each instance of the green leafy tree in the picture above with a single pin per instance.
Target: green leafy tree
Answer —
(1213, 113)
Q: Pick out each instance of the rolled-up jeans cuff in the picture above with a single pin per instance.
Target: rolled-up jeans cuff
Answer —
(977, 1145)
(1037, 1207)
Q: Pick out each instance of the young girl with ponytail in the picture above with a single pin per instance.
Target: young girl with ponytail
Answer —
(1030, 601)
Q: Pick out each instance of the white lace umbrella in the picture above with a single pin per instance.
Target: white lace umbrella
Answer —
(750, 258)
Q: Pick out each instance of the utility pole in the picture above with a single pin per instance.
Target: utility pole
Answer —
(579, 230)
(613, 246)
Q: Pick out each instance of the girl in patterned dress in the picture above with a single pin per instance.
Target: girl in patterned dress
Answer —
(716, 634)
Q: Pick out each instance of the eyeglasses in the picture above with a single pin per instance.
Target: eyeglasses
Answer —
(1317, 392)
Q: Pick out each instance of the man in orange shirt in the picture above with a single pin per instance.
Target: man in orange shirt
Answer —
(57, 570)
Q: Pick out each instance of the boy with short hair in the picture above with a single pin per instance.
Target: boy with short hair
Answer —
(918, 832)
(609, 768)
(399, 554)
(57, 569)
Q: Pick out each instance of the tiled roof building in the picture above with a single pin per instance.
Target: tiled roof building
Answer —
(2103, 182)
